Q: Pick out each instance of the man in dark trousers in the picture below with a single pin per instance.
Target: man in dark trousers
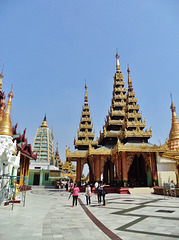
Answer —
(103, 194)
(99, 193)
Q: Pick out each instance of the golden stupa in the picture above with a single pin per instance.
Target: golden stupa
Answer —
(5, 124)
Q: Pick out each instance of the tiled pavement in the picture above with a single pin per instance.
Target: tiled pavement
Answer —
(48, 215)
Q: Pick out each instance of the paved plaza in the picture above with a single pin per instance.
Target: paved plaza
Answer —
(48, 214)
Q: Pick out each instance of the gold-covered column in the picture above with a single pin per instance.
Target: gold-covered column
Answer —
(124, 168)
(78, 171)
(22, 169)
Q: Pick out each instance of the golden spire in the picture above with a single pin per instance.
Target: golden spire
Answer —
(86, 95)
(174, 132)
(6, 125)
(1, 76)
(117, 62)
(44, 124)
(129, 79)
(57, 148)
(2, 107)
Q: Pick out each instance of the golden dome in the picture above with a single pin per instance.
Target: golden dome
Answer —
(44, 124)
(174, 132)
(6, 125)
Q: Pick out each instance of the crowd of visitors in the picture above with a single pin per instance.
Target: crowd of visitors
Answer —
(99, 191)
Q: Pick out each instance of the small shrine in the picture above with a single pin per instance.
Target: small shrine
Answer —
(9, 156)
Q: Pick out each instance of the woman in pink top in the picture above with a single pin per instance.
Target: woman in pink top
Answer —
(75, 194)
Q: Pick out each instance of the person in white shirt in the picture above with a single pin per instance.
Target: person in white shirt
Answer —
(88, 194)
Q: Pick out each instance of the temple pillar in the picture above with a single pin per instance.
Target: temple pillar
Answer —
(41, 178)
(154, 168)
(118, 170)
(27, 170)
(124, 168)
(111, 173)
(22, 169)
(78, 172)
(97, 169)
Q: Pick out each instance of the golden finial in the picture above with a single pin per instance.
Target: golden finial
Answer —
(6, 125)
(117, 62)
(1, 77)
(174, 132)
(44, 124)
(172, 107)
(86, 95)
(2, 107)
(129, 78)
(57, 148)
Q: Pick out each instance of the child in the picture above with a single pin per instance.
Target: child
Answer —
(103, 193)
(88, 194)
(75, 194)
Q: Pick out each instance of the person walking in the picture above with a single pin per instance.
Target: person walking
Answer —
(71, 185)
(66, 186)
(99, 193)
(96, 185)
(88, 194)
(103, 194)
(96, 189)
(75, 194)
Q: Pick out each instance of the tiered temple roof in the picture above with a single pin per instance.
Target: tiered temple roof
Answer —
(85, 132)
(124, 121)
(115, 118)
(133, 128)
(22, 145)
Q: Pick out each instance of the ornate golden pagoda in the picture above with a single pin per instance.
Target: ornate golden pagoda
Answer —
(2, 99)
(70, 170)
(85, 133)
(115, 118)
(133, 128)
(58, 162)
(174, 132)
(113, 160)
(5, 124)
(44, 124)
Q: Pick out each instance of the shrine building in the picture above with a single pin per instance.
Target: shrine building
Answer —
(122, 156)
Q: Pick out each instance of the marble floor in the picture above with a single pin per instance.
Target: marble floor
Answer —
(48, 214)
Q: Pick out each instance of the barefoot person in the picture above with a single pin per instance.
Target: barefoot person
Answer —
(75, 194)
(88, 194)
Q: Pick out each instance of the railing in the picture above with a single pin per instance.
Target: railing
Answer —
(10, 190)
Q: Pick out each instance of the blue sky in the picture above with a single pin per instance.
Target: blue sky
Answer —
(48, 48)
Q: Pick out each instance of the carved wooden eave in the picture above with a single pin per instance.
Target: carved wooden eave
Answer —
(99, 151)
(132, 148)
(76, 154)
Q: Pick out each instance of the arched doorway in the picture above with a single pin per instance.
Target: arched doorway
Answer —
(108, 174)
(137, 175)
